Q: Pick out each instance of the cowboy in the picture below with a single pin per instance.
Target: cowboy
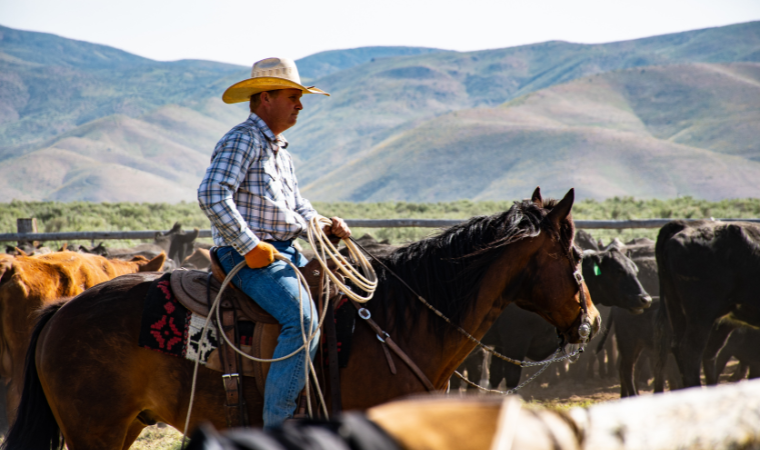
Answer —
(251, 196)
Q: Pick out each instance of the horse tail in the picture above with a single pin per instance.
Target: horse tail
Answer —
(35, 426)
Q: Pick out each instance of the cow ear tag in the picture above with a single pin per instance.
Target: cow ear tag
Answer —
(597, 270)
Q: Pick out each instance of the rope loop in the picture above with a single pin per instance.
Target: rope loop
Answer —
(366, 280)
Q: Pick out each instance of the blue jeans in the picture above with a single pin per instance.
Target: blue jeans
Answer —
(275, 288)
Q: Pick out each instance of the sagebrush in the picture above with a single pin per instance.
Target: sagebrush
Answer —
(86, 216)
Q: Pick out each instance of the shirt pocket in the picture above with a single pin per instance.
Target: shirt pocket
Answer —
(271, 180)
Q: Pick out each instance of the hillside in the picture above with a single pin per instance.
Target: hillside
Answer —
(322, 64)
(84, 121)
(50, 85)
(374, 101)
(657, 132)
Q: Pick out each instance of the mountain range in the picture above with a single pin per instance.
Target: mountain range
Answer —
(656, 117)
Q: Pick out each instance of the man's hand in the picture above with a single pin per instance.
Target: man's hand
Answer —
(261, 256)
(339, 229)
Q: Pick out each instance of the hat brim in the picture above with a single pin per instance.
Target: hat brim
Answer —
(242, 91)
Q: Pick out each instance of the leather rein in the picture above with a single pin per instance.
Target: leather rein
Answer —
(584, 330)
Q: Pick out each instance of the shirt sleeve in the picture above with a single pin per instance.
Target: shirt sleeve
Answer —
(229, 166)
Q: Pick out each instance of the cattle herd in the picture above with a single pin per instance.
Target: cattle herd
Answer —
(674, 310)
(670, 308)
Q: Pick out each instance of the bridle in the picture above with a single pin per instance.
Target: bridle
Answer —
(584, 329)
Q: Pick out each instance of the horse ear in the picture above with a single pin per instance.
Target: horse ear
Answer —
(562, 210)
(536, 197)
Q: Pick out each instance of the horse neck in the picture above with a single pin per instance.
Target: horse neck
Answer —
(439, 356)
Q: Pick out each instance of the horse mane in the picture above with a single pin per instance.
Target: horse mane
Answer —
(447, 269)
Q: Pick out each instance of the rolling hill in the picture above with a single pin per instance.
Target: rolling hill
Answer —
(81, 121)
(656, 132)
(376, 100)
(50, 85)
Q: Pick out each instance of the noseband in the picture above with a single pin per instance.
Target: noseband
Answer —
(584, 329)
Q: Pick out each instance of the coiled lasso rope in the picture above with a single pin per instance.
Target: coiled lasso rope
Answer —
(323, 249)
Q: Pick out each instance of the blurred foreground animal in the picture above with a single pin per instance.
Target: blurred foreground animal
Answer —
(469, 272)
(351, 431)
(717, 418)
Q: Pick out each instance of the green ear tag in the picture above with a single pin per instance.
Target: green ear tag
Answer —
(597, 270)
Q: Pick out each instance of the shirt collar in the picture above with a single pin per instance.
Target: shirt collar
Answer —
(261, 125)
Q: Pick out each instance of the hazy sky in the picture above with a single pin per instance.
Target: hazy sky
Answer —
(239, 31)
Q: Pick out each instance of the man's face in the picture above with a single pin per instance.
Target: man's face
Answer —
(282, 109)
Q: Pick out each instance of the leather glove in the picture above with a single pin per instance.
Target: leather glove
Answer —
(261, 256)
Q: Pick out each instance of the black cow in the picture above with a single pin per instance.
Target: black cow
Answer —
(611, 280)
(585, 241)
(634, 333)
(707, 270)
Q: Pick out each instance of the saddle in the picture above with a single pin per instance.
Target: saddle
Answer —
(196, 290)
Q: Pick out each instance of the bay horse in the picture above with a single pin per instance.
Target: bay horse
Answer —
(27, 283)
(88, 380)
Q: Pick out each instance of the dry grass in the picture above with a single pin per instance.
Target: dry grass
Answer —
(155, 438)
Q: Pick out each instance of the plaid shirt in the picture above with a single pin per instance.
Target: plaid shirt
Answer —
(250, 192)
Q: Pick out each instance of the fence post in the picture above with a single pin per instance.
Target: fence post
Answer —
(26, 226)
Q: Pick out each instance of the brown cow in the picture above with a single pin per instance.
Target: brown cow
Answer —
(30, 282)
(199, 259)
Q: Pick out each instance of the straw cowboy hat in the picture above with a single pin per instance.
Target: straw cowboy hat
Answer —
(268, 75)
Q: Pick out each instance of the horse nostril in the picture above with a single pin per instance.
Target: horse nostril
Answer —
(645, 300)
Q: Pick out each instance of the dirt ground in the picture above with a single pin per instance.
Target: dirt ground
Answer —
(567, 392)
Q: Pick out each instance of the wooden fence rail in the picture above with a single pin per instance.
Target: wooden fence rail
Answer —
(354, 223)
